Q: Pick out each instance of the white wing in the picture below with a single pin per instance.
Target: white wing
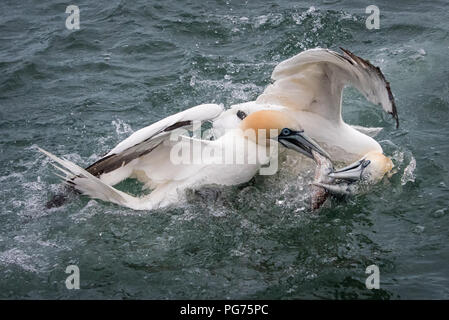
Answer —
(147, 139)
(314, 80)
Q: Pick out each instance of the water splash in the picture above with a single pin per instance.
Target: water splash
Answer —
(409, 172)
(122, 129)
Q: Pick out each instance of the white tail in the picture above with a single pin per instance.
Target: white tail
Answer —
(93, 187)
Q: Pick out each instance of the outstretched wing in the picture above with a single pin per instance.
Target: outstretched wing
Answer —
(314, 80)
(147, 139)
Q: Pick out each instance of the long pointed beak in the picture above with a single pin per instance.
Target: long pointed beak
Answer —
(300, 142)
(352, 172)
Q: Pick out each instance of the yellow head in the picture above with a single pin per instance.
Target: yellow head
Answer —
(265, 125)
(262, 122)
(371, 168)
(378, 167)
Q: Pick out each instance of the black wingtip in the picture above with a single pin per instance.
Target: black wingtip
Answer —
(394, 112)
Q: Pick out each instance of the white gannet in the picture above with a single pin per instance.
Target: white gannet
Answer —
(148, 155)
(309, 88)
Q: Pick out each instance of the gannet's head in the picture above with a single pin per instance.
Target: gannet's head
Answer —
(266, 125)
(378, 167)
(371, 168)
(367, 171)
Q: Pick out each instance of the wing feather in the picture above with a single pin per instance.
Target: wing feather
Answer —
(149, 138)
(314, 80)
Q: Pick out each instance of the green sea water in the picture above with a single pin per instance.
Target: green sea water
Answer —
(77, 93)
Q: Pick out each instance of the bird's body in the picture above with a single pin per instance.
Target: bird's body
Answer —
(177, 162)
(168, 179)
(306, 95)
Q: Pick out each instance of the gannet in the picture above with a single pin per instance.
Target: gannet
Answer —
(148, 155)
(309, 88)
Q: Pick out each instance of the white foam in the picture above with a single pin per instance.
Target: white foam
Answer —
(19, 258)
(409, 172)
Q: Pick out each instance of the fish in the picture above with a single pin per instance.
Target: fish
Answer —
(322, 170)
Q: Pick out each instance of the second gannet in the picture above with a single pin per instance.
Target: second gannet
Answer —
(151, 156)
(309, 88)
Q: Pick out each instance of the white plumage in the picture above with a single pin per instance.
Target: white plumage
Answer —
(309, 87)
(306, 94)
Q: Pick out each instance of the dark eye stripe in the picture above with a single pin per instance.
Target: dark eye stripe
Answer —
(366, 163)
(242, 115)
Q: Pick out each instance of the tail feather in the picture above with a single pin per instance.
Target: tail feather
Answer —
(93, 187)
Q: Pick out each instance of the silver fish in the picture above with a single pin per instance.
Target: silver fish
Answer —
(322, 170)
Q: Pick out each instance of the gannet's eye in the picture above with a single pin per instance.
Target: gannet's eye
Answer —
(285, 132)
(241, 115)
